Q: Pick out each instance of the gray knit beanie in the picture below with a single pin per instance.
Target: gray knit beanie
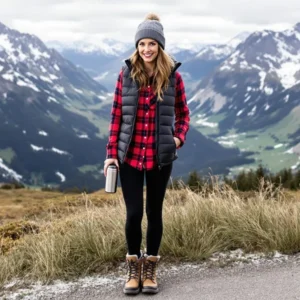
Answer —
(151, 28)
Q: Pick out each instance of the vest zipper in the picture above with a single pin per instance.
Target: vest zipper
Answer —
(157, 133)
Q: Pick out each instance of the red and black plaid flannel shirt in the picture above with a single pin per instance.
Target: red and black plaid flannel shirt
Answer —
(141, 153)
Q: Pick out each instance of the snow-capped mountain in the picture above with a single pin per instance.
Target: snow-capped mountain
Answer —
(255, 88)
(54, 120)
(217, 52)
(27, 62)
(51, 114)
(200, 61)
(239, 38)
(103, 61)
(106, 47)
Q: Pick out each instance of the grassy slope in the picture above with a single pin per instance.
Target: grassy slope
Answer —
(275, 159)
(7, 154)
(33, 204)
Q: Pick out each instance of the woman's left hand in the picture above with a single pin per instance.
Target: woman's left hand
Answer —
(177, 141)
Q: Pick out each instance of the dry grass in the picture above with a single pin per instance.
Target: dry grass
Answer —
(91, 238)
(20, 204)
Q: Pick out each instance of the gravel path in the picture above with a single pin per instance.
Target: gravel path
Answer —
(251, 277)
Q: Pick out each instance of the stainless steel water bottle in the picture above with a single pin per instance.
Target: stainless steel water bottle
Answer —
(111, 179)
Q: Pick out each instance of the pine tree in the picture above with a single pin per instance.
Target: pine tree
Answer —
(251, 180)
(296, 181)
(241, 181)
(194, 181)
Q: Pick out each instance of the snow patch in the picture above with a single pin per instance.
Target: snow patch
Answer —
(225, 67)
(59, 151)
(290, 151)
(247, 99)
(239, 112)
(36, 148)
(62, 176)
(195, 96)
(10, 172)
(287, 74)
(252, 112)
(5, 43)
(37, 53)
(204, 122)
(78, 90)
(278, 146)
(83, 136)
(43, 69)
(53, 77)
(28, 84)
(231, 136)
(51, 99)
(262, 76)
(56, 67)
(44, 78)
(227, 143)
(268, 90)
(9, 77)
(59, 88)
(244, 65)
(31, 75)
(44, 133)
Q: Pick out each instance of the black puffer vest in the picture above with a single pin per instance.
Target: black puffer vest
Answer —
(165, 144)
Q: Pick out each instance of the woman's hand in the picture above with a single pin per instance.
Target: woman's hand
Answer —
(108, 162)
(177, 141)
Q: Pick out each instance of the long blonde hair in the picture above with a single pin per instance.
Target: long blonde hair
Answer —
(162, 70)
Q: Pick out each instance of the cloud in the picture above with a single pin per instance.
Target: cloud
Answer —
(209, 21)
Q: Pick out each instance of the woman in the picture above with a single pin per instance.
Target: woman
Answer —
(143, 142)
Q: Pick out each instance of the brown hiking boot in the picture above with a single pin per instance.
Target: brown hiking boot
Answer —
(149, 280)
(133, 280)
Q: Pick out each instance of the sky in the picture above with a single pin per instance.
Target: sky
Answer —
(186, 22)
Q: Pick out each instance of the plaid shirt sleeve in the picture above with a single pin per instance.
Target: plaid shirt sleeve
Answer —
(182, 112)
(115, 123)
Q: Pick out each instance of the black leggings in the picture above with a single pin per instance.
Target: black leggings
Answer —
(132, 182)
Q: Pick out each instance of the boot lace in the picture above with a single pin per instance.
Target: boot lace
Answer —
(133, 269)
(149, 270)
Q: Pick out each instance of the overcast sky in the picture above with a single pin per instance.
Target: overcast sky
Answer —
(185, 21)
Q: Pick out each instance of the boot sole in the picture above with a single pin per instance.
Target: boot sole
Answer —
(131, 291)
(149, 290)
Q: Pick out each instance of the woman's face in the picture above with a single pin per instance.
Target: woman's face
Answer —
(148, 50)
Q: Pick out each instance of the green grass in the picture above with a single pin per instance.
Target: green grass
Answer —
(95, 169)
(101, 123)
(90, 168)
(206, 130)
(256, 141)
